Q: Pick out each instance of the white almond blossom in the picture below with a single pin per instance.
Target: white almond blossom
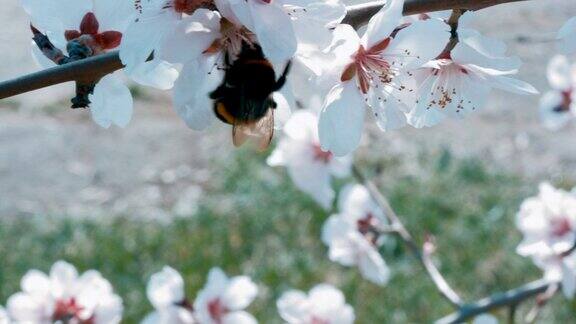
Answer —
(557, 106)
(368, 68)
(323, 304)
(354, 234)
(204, 41)
(166, 293)
(65, 295)
(308, 165)
(458, 81)
(99, 26)
(548, 224)
(567, 36)
(223, 299)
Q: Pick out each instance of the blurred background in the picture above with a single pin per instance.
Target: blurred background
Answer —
(128, 201)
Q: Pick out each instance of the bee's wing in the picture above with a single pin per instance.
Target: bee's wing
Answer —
(259, 132)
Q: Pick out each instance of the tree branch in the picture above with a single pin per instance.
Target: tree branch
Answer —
(360, 14)
(94, 68)
(508, 298)
(423, 256)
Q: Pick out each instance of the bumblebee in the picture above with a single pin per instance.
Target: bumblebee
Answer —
(244, 99)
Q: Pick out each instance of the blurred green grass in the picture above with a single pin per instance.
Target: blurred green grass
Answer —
(254, 222)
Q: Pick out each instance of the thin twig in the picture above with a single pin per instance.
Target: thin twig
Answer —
(541, 301)
(499, 300)
(408, 240)
(94, 68)
(512, 313)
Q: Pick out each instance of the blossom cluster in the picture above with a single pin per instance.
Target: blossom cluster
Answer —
(250, 63)
(64, 296)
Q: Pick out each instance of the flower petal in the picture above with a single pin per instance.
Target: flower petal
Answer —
(373, 267)
(272, 26)
(156, 73)
(239, 318)
(551, 117)
(560, 73)
(418, 43)
(111, 102)
(191, 37)
(61, 15)
(143, 37)
(383, 23)
(293, 306)
(497, 80)
(165, 288)
(342, 119)
(114, 15)
(474, 49)
(24, 308)
(239, 293)
(192, 90)
(325, 298)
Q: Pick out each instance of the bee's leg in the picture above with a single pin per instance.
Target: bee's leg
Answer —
(282, 80)
(271, 103)
(218, 93)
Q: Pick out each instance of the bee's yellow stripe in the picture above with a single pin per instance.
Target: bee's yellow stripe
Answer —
(223, 112)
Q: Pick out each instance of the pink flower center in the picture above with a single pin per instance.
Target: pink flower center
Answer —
(68, 309)
(91, 37)
(189, 6)
(232, 38)
(566, 101)
(445, 85)
(320, 155)
(561, 227)
(217, 310)
(370, 66)
(367, 226)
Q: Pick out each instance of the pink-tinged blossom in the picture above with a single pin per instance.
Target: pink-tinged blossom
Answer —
(354, 234)
(567, 36)
(63, 294)
(367, 69)
(548, 224)
(99, 25)
(166, 293)
(324, 304)
(311, 168)
(223, 300)
(558, 106)
(459, 81)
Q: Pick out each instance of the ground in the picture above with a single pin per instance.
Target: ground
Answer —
(461, 181)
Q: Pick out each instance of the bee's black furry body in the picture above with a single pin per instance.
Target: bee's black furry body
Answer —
(245, 95)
